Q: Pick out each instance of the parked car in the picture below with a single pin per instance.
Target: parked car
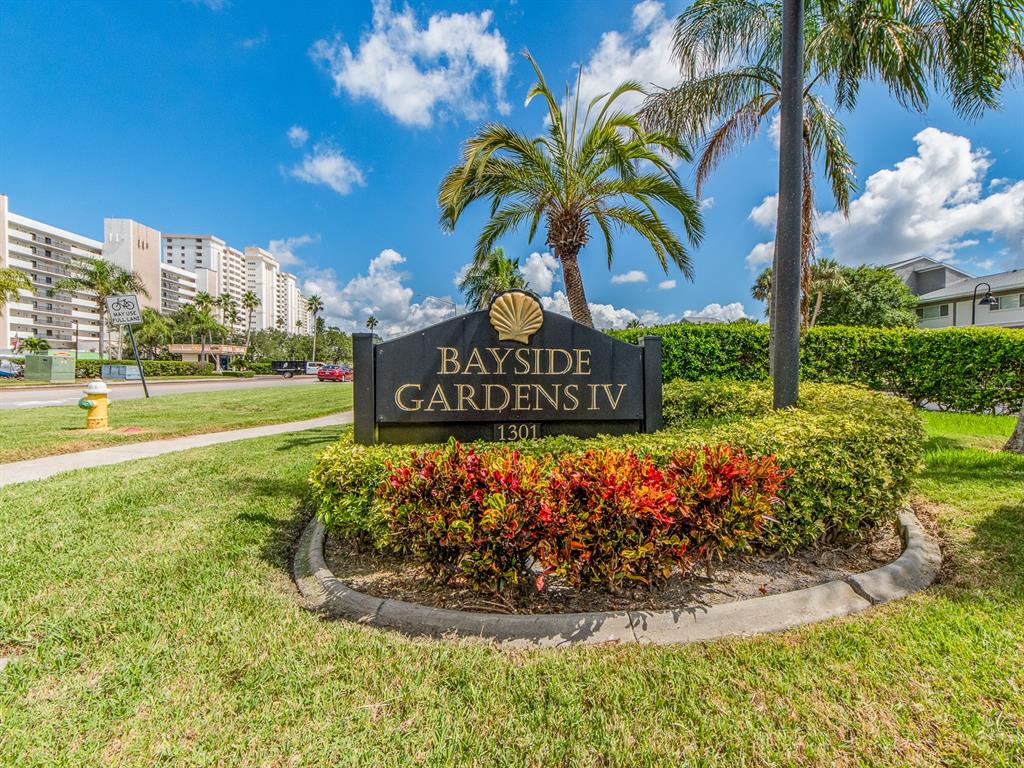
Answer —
(11, 367)
(334, 373)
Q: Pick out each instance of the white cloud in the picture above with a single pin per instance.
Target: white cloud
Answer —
(633, 276)
(774, 129)
(707, 203)
(213, 5)
(760, 256)
(765, 212)
(411, 71)
(726, 314)
(644, 54)
(381, 291)
(254, 42)
(666, 285)
(540, 270)
(605, 315)
(284, 249)
(297, 136)
(928, 204)
(985, 265)
(326, 165)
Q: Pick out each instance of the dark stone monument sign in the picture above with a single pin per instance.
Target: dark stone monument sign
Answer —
(509, 372)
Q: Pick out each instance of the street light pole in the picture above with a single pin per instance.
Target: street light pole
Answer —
(449, 302)
(785, 318)
(987, 301)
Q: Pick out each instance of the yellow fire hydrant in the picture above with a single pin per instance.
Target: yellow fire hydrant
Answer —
(95, 402)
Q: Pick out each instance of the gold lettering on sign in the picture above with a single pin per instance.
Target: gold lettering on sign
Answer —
(499, 359)
(449, 361)
(408, 405)
(489, 404)
(474, 362)
(438, 398)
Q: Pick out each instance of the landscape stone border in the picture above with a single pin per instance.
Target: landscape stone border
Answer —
(913, 570)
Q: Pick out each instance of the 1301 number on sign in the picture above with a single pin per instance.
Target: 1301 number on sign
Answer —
(510, 432)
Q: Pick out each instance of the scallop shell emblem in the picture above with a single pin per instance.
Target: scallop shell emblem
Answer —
(516, 316)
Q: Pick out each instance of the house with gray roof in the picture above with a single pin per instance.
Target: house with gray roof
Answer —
(948, 296)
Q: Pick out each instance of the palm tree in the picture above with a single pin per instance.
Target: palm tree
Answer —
(600, 166)
(155, 332)
(204, 302)
(824, 273)
(969, 47)
(372, 322)
(12, 283)
(250, 303)
(103, 279)
(33, 345)
(486, 279)
(314, 305)
(227, 305)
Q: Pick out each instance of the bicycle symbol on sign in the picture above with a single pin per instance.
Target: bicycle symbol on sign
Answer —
(123, 304)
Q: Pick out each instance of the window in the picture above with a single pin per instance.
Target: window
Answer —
(933, 312)
(48, 241)
(1011, 301)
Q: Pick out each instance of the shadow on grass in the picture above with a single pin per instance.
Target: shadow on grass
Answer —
(998, 549)
(312, 437)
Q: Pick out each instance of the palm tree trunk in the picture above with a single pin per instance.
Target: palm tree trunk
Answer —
(817, 308)
(1016, 442)
(314, 338)
(574, 288)
(807, 230)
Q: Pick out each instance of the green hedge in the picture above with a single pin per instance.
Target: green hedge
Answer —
(853, 453)
(90, 369)
(965, 369)
(260, 367)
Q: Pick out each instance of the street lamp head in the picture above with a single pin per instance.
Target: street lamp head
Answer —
(988, 300)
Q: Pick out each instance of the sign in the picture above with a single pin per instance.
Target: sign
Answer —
(511, 372)
(124, 310)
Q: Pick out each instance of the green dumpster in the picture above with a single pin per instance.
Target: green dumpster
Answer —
(49, 368)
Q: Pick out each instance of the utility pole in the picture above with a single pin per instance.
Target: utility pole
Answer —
(785, 318)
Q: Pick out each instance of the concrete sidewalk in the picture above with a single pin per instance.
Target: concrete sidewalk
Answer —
(38, 469)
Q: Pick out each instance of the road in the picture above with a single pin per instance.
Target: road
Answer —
(62, 395)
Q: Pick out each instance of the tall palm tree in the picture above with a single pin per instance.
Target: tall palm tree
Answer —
(250, 303)
(314, 305)
(486, 279)
(204, 302)
(599, 165)
(968, 48)
(103, 279)
(156, 331)
(372, 322)
(12, 283)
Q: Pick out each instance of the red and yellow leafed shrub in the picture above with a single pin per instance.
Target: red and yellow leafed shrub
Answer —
(598, 518)
(461, 511)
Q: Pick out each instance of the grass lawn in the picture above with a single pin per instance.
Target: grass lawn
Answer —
(4, 382)
(151, 621)
(32, 432)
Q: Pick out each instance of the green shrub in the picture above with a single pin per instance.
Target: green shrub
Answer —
(967, 369)
(238, 374)
(90, 369)
(852, 451)
(258, 367)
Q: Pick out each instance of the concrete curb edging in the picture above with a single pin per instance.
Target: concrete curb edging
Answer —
(913, 570)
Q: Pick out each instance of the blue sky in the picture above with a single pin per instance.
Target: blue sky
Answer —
(323, 131)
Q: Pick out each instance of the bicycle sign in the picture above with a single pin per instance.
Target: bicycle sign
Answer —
(124, 310)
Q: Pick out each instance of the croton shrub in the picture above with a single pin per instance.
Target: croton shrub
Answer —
(850, 454)
(604, 517)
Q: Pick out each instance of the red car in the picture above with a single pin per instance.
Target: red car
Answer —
(334, 373)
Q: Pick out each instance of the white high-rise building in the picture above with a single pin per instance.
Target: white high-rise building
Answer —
(67, 320)
(262, 272)
(219, 268)
(291, 304)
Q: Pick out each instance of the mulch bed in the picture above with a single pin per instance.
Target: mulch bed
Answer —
(737, 577)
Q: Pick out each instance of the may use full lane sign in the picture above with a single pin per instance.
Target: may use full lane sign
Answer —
(509, 372)
(124, 310)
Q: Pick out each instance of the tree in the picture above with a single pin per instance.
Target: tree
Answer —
(872, 296)
(314, 305)
(372, 322)
(155, 333)
(103, 279)
(12, 283)
(1016, 442)
(486, 279)
(34, 345)
(866, 295)
(599, 166)
(204, 302)
(250, 303)
(967, 48)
